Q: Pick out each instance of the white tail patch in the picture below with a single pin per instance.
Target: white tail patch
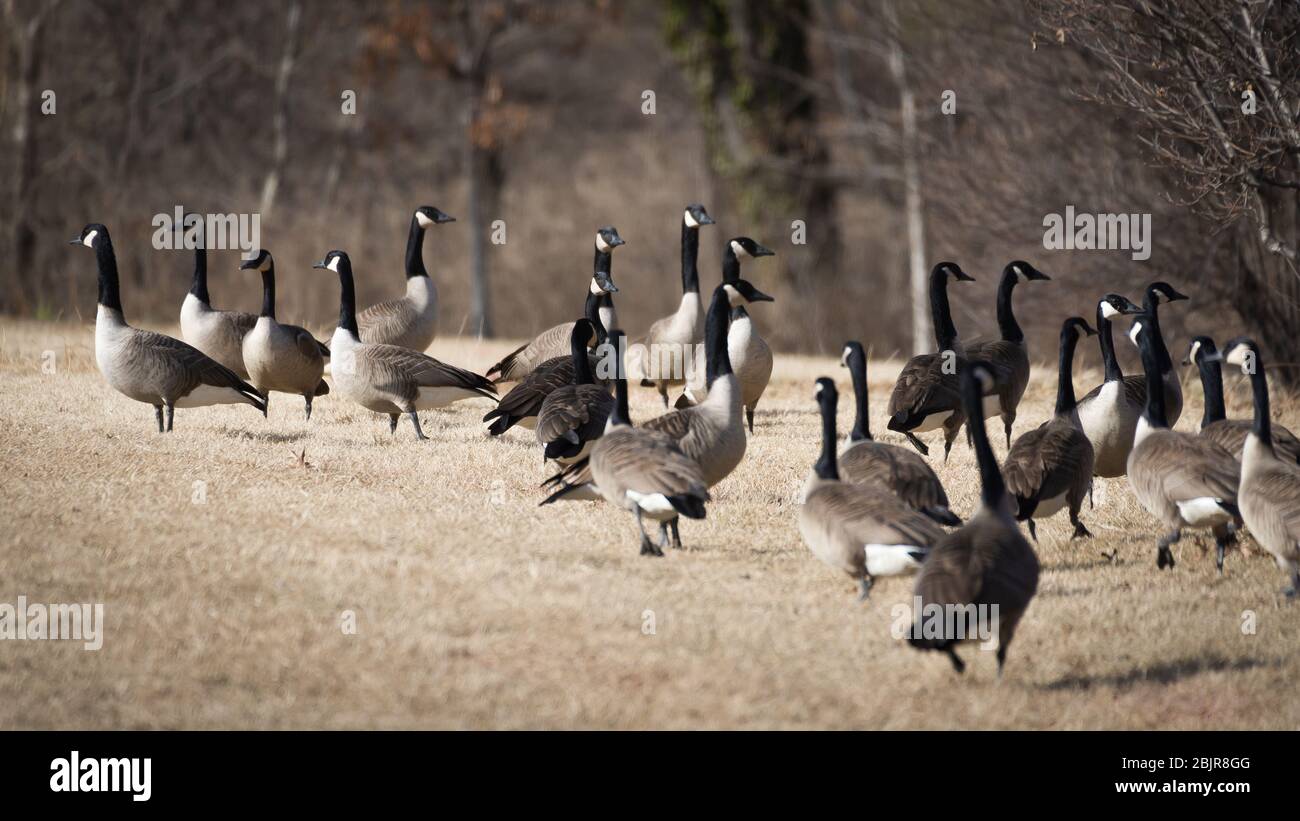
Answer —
(656, 505)
(892, 559)
(205, 395)
(1203, 511)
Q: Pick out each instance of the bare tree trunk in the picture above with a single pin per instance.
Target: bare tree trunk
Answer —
(478, 161)
(28, 37)
(280, 125)
(913, 205)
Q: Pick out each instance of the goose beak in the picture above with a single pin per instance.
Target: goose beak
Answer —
(75, 241)
(1037, 274)
(320, 264)
(606, 283)
(964, 277)
(444, 218)
(1089, 330)
(252, 263)
(705, 219)
(1174, 296)
(760, 251)
(759, 296)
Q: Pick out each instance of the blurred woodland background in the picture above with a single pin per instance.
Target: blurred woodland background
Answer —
(767, 111)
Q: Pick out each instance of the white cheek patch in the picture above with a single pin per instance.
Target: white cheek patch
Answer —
(738, 249)
(844, 357)
(1134, 331)
(424, 221)
(1196, 348)
(732, 294)
(1017, 270)
(89, 240)
(1107, 310)
(691, 222)
(595, 287)
(334, 264)
(1237, 356)
(602, 245)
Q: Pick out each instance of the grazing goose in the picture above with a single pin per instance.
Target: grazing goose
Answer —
(751, 358)
(1230, 434)
(1050, 467)
(150, 367)
(554, 341)
(573, 416)
(677, 334)
(523, 402)
(389, 378)
(1109, 412)
(642, 471)
(986, 563)
(1270, 486)
(864, 530)
(864, 461)
(410, 321)
(218, 334)
(1009, 355)
(282, 358)
(926, 395)
(1180, 478)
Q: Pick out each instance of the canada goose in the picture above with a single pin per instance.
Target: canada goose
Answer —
(1009, 356)
(388, 378)
(679, 333)
(1230, 434)
(150, 367)
(1050, 467)
(554, 341)
(751, 358)
(864, 461)
(218, 334)
(864, 530)
(986, 563)
(1180, 478)
(1270, 487)
(643, 471)
(573, 416)
(926, 395)
(523, 402)
(410, 321)
(1109, 412)
(282, 358)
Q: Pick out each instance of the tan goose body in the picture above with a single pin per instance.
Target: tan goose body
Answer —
(388, 378)
(283, 358)
(862, 530)
(218, 334)
(573, 416)
(411, 320)
(1230, 434)
(711, 432)
(554, 341)
(1181, 479)
(1008, 356)
(986, 563)
(671, 341)
(1269, 494)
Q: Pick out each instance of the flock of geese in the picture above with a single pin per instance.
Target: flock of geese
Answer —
(869, 508)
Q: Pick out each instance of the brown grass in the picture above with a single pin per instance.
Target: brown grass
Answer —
(478, 609)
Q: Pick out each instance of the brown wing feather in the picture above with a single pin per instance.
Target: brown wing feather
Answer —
(582, 409)
(924, 388)
(902, 471)
(1047, 461)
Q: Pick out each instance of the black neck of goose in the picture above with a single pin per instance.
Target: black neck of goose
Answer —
(690, 258)
(347, 300)
(739, 312)
(415, 250)
(1151, 306)
(1263, 424)
(1107, 341)
(826, 467)
(109, 294)
(1065, 400)
(730, 265)
(604, 262)
(718, 362)
(1212, 385)
(1155, 407)
(992, 489)
(619, 415)
(1006, 317)
(581, 364)
(592, 312)
(268, 291)
(200, 286)
(944, 331)
(861, 418)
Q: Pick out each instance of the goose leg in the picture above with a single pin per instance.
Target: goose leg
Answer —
(663, 393)
(677, 537)
(171, 411)
(749, 417)
(1222, 535)
(392, 423)
(157, 409)
(957, 663)
(415, 420)
(1033, 530)
(1294, 590)
(1080, 532)
(647, 548)
(917, 443)
(663, 535)
(1008, 419)
(1165, 556)
(950, 430)
(865, 586)
(307, 398)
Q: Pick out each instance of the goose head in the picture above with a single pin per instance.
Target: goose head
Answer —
(825, 393)
(694, 216)
(1077, 325)
(953, 271)
(427, 215)
(1201, 349)
(852, 351)
(1025, 271)
(741, 291)
(336, 261)
(1113, 305)
(91, 236)
(744, 247)
(1157, 291)
(260, 261)
(607, 239)
(1240, 351)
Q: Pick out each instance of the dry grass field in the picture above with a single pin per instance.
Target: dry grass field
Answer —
(223, 601)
